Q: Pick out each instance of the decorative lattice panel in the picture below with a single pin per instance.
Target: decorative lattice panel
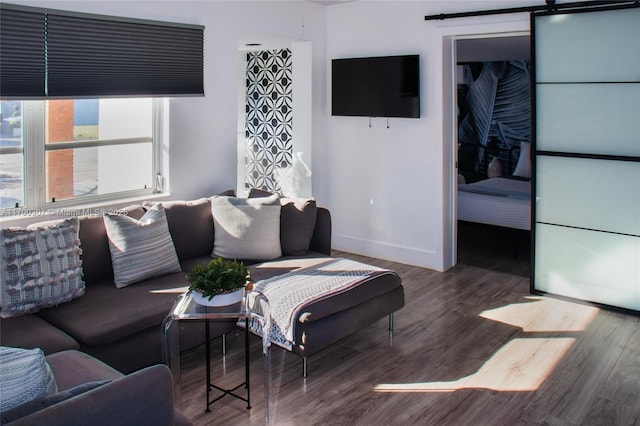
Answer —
(268, 128)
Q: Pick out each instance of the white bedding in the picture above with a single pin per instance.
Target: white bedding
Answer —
(496, 201)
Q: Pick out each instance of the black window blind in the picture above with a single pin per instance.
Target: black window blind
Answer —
(101, 56)
(22, 66)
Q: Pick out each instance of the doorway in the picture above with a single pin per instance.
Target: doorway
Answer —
(476, 242)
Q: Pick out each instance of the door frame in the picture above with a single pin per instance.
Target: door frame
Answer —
(474, 28)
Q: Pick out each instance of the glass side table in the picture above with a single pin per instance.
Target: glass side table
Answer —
(185, 309)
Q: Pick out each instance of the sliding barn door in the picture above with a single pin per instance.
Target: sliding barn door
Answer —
(587, 155)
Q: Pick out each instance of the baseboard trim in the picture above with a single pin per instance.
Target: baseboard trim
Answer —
(407, 255)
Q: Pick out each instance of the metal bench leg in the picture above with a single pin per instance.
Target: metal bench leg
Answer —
(224, 344)
(304, 367)
(391, 324)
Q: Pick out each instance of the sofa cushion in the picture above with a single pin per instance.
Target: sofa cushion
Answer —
(140, 248)
(297, 223)
(106, 314)
(41, 266)
(31, 331)
(73, 368)
(41, 403)
(144, 397)
(259, 193)
(326, 306)
(190, 226)
(24, 376)
(96, 257)
(246, 228)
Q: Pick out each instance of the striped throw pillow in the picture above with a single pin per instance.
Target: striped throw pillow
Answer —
(24, 376)
(40, 266)
(140, 248)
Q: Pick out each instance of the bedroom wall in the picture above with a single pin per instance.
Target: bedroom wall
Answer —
(390, 189)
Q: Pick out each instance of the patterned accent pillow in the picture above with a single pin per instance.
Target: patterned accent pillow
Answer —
(41, 267)
(24, 376)
(246, 228)
(140, 248)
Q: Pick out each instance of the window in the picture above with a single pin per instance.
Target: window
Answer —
(74, 151)
(11, 162)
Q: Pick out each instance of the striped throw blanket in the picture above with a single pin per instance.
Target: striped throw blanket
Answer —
(290, 293)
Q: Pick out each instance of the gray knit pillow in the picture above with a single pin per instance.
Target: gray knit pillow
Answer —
(140, 248)
(24, 376)
(246, 228)
(40, 266)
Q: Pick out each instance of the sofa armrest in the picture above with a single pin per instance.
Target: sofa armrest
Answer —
(141, 398)
(321, 239)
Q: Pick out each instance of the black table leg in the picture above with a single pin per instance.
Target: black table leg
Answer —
(225, 392)
(246, 363)
(207, 356)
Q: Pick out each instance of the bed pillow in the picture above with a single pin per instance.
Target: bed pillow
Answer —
(24, 376)
(297, 223)
(41, 267)
(142, 248)
(523, 168)
(246, 228)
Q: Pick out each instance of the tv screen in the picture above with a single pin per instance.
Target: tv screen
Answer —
(384, 86)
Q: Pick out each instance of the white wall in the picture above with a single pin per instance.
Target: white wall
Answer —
(390, 190)
(203, 129)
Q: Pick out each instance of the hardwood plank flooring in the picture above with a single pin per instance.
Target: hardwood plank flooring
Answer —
(471, 346)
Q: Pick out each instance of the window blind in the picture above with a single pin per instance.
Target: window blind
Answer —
(101, 56)
(22, 66)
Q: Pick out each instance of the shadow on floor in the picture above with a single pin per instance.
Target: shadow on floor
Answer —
(494, 248)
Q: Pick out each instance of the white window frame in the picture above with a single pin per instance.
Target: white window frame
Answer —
(34, 153)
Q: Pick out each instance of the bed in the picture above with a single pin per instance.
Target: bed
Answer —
(497, 201)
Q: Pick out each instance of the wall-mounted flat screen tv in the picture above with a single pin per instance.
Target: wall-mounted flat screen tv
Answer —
(383, 86)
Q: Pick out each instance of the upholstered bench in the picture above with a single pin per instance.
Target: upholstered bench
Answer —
(318, 301)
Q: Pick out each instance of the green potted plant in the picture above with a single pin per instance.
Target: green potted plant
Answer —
(218, 283)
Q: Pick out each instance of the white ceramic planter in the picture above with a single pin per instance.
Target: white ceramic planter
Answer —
(219, 299)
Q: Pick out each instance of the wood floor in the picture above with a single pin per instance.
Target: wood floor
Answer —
(470, 347)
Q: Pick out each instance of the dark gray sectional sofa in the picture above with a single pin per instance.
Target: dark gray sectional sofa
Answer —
(122, 326)
(90, 392)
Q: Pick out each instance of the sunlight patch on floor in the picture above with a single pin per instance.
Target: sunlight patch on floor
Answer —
(523, 363)
(520, 365)
(543, 314)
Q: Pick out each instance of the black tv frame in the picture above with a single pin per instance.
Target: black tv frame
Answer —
(376, 86)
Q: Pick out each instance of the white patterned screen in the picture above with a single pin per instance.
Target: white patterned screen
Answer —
(268, 118)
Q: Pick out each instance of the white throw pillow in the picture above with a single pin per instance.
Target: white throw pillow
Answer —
(140, 248)
(523, 168)
(40, 266)
(24, 376)
(246, 228)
